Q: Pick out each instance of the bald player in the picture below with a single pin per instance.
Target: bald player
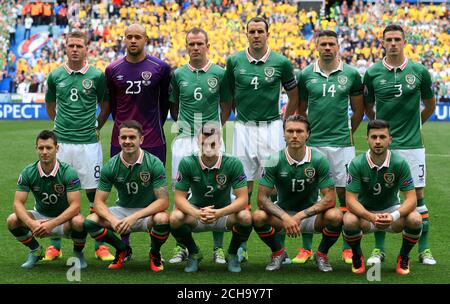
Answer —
(139, 88)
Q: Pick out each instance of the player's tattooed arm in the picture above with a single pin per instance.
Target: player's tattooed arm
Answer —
(328, 201)
(272, 208)
(266, 204)
(162, 200)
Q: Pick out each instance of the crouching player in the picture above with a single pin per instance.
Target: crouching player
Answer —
(298, 173)
(373, 184)
(210, 176)
(56, 189)
(141, 183)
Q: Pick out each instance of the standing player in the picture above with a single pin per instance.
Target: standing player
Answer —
(199, 94)
(298, 173)
(374, 181)
(138, 87)
(327, 88)
(141, 183)
(396, 85)
(255, 76)
(56, 189)
(74, 90)
(210, 175)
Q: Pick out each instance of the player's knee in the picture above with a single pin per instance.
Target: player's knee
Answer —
(12, 221)
(351, 221)
(176, 218)
(414, 220)
(93, 217)
(77, 222)
(334, 216)
(259, 218)
(161, 218)
(244, 217)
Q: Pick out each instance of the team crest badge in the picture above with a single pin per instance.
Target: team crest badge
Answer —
(342, 79)
(410, 79)
(179, 176)
(19, 181)
(310, 173)
(269, 72)
(145, 177)
(221, 179)
(389, 178)
(59, 189)
(146, 75)
(87, 84)
(212, 82)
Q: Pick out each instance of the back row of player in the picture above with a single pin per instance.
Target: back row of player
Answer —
(138, 86)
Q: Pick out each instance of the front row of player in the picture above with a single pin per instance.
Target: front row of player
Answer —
(203, 202)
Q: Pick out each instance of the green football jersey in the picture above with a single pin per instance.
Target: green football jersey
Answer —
(136, 183)
(256, 84)
(210, 186)
(76, 94)
(396, 93)
(328, 99)
(199, 93)
(378, 187)
(50, 191)
(297, 183)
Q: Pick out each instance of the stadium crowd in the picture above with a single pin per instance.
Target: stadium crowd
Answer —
(358, 25)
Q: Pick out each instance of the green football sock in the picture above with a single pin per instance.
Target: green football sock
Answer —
(268, 236)
(240, 235)
(218, 239)
(410, 238)
(380, 237)
(25, 236)
(103, 234)
(423, 240)
(79, 240)
(330, 235)
(307, 239)
(343, 208)
(56, 242)
(281, 237)
(91, 198)
(158, 236)
(353, 238)
(183, 235)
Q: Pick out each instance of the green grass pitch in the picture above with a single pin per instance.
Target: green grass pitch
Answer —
(17, 150)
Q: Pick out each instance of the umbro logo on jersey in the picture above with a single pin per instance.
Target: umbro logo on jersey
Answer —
(62, 84)
(119, 77)
(184, 83)
(383, 81)
(36, 189)
(314, 80)
(283, 174)
(365, 179)
(242, 71)
(196, 179)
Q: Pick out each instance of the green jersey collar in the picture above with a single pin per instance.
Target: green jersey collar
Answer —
(83, 70)
(390, 67)
(385, 164)
(139, 160)
(340, 67)
(291, 161)
(204, 69)
(216, 166)
(53, 173)
(253, 60)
